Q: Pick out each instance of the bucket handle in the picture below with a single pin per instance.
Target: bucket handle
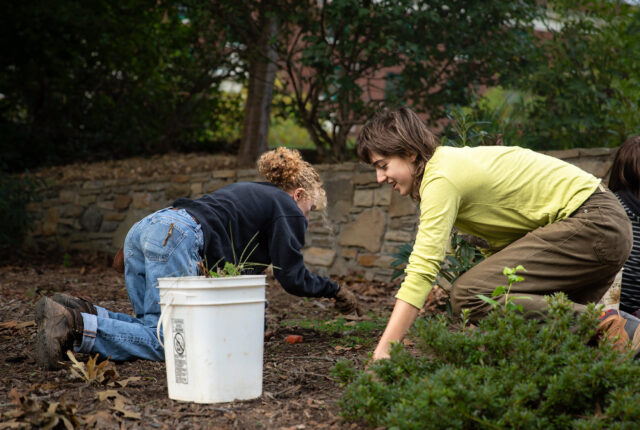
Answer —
(162, 315)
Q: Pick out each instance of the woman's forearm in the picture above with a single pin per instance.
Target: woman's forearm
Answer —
(401, 319)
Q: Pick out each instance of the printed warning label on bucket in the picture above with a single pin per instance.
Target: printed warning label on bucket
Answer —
(179, 351)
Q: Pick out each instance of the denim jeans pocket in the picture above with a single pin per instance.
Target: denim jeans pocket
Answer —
(161, 238)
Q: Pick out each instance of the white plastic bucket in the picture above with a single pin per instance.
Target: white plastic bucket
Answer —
(213, 337)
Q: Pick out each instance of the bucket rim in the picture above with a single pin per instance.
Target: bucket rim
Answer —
(202, 278)
(207, 283)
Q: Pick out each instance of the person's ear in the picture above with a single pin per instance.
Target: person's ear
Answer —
(298, 194)
(413, 157)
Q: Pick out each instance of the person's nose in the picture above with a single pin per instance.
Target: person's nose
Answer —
(380, 176)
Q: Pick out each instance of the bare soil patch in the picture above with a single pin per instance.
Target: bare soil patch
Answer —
(299, 391)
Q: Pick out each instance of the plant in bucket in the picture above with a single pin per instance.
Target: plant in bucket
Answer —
(213, 328)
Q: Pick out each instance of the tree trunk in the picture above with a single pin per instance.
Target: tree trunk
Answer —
(262, 75)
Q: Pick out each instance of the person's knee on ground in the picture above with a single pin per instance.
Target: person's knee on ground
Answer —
(462, 297)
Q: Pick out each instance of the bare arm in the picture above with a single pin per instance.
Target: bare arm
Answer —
(402, 317)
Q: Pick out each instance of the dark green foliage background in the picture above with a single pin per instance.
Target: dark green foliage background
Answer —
(508, 372)
(111, 79)
(15, 193)
(584, 86)
(104, 79)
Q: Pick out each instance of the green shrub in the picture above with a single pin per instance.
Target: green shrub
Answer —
(15, 193)
(583, 88)
(224, 123)
(509, 372)
(286, 132)
(462, 257)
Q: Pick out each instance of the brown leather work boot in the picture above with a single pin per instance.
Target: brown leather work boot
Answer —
(78, 303)
(58, 327)
(622, 329)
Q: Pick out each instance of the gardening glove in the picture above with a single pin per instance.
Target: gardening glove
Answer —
(346, 302)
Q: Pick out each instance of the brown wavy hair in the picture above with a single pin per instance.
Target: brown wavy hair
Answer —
(286, 169)
(400, 133)
(625, 171)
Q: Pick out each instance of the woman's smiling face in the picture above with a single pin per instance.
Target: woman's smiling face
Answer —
(394, 170)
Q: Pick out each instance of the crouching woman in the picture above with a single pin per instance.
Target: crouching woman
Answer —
(560, 222)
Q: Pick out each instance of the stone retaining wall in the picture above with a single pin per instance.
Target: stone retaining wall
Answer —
(364, 224)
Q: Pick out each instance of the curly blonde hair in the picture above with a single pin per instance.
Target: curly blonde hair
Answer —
(286, 169)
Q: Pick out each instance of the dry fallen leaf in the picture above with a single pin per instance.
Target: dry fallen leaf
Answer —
(15, 324)
(32, 412)
(119, 407)
(119, 402)
(109, 394)
(42, 387)
(100, 419)
(102, 373)
(124, 382)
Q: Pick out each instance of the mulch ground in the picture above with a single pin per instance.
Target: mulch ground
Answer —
(299, 391)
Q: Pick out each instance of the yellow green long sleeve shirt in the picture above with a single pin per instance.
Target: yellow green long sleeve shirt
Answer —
(494, 192)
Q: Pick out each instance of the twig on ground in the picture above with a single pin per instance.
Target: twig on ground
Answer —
(304, 372)
(325, 358)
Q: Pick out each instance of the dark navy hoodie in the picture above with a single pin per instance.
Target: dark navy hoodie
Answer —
(246, 208)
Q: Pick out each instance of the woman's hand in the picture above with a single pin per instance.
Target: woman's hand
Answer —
(346, 302)
(401, 319)
(380, 355)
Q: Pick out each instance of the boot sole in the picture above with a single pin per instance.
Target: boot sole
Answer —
(43, 340)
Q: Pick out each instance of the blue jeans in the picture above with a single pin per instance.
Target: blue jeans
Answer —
(164, 244)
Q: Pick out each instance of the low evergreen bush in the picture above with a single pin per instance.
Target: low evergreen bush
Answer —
(509, 372)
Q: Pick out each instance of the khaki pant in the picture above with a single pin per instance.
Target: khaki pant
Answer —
(579, 256)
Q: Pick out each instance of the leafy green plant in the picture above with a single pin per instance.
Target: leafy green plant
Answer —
(402, 254)
(463, 256)
(239, 265)
(229, 269)
(501, 290)
(466, 131)
(509, 372)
